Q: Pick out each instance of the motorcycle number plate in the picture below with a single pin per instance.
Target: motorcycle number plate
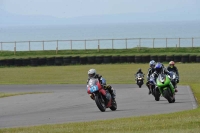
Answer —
(94, 88)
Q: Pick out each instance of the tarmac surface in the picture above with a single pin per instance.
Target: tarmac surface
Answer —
(71, 103)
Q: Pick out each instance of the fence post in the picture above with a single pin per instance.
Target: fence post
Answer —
(85, 44)
(153, 42)
(57, 47)
(112, 44)
(139, 42)
(15, 48)
(179, 42)
(166, 42)
(1, 46)
(192, 42)
(126, 42)
(71, 44)
(29, 43)
(98, 44)
(43, 45)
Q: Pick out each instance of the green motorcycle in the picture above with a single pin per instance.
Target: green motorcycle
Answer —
(165, 87)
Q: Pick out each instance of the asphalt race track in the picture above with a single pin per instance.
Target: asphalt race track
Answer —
(71, 103)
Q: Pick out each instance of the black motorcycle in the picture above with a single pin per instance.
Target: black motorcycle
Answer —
(174, 78)
(139, 79)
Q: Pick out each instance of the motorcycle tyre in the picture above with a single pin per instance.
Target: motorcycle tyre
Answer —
(166, 94)
(156, 95)
(114, 105)
(100, 105)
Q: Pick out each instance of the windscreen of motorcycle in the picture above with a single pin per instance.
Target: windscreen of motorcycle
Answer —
(92, 82)
(173, 75)
(139, 75)
(162, 78)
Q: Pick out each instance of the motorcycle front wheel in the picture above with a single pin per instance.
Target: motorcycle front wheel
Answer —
(168, 95)
(100, 102)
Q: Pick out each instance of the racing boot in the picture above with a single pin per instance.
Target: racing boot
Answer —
(92, 96)
(148, 88)
(112, 91)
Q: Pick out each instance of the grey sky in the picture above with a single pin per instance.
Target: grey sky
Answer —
(56, 12)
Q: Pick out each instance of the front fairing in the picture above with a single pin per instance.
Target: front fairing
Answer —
(93, 85)
(162, 81)
(139, 76)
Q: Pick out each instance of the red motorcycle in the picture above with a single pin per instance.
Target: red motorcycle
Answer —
(102, 96)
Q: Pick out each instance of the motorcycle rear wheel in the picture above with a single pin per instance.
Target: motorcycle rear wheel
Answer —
(114, 105)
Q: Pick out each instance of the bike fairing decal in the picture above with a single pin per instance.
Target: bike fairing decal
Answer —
(93, 88)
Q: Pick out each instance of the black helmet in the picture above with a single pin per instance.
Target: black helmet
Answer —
(140, 70)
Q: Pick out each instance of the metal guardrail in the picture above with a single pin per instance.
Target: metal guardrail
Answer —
(123, 43)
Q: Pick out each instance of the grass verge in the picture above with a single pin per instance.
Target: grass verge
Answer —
(2, 94)
(180, 122)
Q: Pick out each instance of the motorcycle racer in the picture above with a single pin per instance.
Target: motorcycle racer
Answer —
(159, 69)
(152, 64)
(93, 74)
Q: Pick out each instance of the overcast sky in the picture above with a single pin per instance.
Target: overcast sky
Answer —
(82, 8)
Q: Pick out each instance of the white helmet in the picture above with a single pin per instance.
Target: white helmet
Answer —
(91, 73)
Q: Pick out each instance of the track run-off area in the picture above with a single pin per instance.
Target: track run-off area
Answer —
(71, 103)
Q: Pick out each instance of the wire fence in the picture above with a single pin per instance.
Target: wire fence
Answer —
(124, 43)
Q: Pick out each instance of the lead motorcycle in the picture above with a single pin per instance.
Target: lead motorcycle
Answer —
(165, 87)
(139, 79)
(102, 96)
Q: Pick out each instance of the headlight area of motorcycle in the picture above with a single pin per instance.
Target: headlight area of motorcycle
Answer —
(162, 80)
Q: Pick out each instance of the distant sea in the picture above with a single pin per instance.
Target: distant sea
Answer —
(168, 30)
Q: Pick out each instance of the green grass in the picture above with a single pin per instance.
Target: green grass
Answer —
(180, 122)
(133, 51)
(2, 94)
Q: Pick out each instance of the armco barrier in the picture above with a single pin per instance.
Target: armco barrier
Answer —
(99, 59)
(145, 58)
(10, 62)
(169, 58)
(50, 61)
(26, 62)
(192, 58)
(185, 58)
(68, 60)
(34, 61)
(122, 59)
(83, 60)
(91, 59)
(177, 58)
(42, 61)
(75, 60)
(107, 59)
(130, 59)
(198, 58)
(154, 57)
(115, 59)
(58, 61)
(138, 59)
(161, 58)
(18, 62)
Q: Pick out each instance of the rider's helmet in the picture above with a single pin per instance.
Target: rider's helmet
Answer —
(92, 73)
(139, 70)
(152, 63)
(158, 67)
(171, 63)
